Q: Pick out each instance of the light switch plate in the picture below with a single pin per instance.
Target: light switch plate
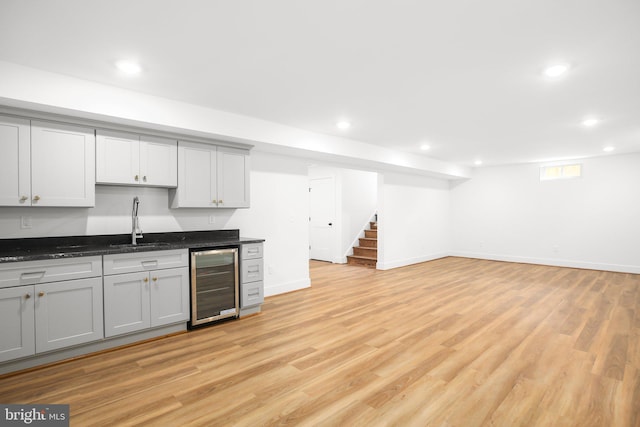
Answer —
(25, 222)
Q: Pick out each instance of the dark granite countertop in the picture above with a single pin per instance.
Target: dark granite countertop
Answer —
(40, 248)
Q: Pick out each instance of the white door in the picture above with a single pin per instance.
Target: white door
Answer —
(158, 161)
(321, 218)
(15, 162)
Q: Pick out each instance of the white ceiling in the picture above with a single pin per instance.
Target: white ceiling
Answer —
(464, 76)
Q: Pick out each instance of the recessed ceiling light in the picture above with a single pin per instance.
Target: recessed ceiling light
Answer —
(425, 147)
(128, 67)
(477, 162)
(608, 148)
(592, 121)
(556, 70)
(343, 124)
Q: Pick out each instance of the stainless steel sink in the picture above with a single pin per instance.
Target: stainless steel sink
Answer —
(139, 245)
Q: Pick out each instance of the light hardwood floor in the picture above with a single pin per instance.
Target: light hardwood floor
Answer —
(455, 342)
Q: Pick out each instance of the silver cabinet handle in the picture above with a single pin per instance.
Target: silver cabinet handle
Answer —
(32, 275)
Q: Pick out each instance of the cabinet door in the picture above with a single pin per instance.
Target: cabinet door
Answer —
(169, 296)
(62, 165)
(68, 313)
(17, 334)
(126, 303)
(15, 162)
(117, 158)
(158, 161)
(196, 176)
(233, 178)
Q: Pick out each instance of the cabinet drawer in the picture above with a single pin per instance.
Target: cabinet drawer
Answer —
(252, 251)
(252, 294)
(54, 270)
(252, 270)
(144, 261)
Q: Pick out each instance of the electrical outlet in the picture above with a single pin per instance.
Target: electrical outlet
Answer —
(25, 222)
(556, 249)
(212, 219)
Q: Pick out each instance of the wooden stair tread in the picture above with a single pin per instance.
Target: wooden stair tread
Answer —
(362, 257)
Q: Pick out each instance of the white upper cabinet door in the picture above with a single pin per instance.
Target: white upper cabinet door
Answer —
(117, 157)
(233, 178)
(158, 161)
(15, 162)
(62, 165)
(196, 176)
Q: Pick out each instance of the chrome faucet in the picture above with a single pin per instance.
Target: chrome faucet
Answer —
(136, 232)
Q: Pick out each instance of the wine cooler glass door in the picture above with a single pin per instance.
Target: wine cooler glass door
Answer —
(214, 285)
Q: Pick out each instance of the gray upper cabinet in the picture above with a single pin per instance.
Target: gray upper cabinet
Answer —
(211, 176)
(46, 164)
(130, 159)
(15, 162)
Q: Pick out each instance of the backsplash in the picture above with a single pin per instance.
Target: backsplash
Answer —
(111, 215)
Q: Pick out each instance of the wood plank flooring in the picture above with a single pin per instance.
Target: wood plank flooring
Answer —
(451, 342)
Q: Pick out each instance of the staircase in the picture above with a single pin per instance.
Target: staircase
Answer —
(367, 253)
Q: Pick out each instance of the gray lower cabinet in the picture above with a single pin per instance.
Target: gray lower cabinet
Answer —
(40, 312)
(155, 293)
(251, 276)
(17, 317)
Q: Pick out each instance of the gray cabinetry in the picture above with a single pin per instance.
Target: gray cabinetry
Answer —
(145, 290)
(211, 177)
(129, 159)
(46, 164)
(48, 305)
(17, 334)
(251, 278)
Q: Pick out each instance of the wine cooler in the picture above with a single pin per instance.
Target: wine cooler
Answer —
(214, 285)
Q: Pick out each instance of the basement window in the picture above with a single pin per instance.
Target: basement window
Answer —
(548, 173)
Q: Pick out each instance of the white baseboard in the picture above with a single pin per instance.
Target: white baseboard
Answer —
(548, 261)
(409, 261)
(283, 288)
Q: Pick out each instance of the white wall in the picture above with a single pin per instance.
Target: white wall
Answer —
(413, 220)
(507, 213)
(278, 214)
(25, 87)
